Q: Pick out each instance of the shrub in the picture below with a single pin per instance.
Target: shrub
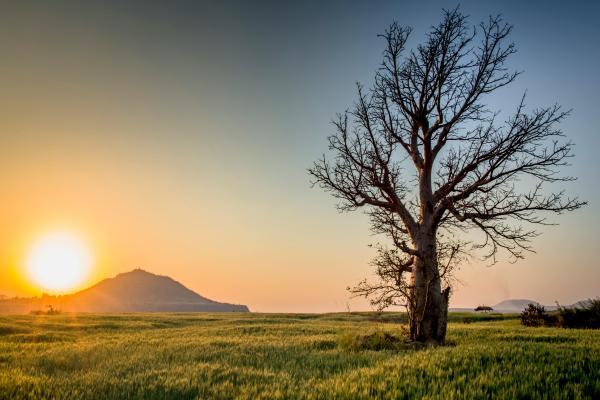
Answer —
(533, 315)
(536, 315)
(585, 316)
(51, 311)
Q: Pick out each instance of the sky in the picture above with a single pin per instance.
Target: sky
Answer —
(176, 137)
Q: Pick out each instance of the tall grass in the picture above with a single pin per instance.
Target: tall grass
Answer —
(257, 356)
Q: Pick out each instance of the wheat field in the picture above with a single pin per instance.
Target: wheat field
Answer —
(273, 356)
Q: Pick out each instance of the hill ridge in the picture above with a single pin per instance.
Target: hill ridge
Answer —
(132, 291)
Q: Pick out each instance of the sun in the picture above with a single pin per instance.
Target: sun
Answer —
(58, 261)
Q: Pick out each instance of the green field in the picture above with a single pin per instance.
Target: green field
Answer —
(253, 356)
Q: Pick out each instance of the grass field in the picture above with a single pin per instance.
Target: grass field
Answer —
(254, 356)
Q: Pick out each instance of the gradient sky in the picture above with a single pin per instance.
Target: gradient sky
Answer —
(175, 137)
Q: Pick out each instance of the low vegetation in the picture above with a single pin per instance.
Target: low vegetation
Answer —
(535, 315)
(376, 340)
(585, 315)
(265, 356)
(50, 310)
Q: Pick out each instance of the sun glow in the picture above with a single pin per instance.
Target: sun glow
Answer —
(58, 261)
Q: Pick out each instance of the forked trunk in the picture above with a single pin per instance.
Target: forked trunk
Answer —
(429, 312)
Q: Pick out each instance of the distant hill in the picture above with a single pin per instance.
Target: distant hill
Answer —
(513, 305)
(518, 305)
(134, 291)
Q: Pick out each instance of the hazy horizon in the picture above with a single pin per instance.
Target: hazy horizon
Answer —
(175, 137)
(139, 285)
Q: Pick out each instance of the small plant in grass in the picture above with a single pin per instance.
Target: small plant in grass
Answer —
(377, 341)
(51, 311)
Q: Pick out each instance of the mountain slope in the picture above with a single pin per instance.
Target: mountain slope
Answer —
(516, 305)
(134, 291)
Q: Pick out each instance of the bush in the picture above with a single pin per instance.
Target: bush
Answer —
(533, 315)
(586, 316)
(51, 311)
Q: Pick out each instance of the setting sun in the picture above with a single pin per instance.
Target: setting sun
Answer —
(58, 261)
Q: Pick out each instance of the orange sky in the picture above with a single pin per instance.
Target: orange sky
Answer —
(178, 142)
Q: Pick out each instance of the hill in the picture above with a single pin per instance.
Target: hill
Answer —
(134, 291)
(513, 305)
(518, 305)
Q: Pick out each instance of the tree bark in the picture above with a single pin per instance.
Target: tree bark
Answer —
(430, 302)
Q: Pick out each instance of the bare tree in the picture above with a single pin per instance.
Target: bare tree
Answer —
(426, 113)
(393, 269)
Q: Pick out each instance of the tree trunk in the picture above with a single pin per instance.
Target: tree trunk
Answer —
(429, 312)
